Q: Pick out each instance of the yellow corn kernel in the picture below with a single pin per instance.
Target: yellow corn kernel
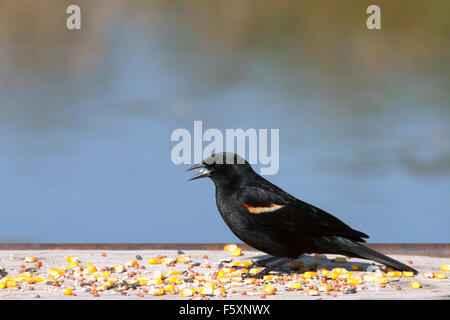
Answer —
(230, 247)
(184, 259)
(381, 273)
(369, 278)
(356, 267)
(143, 281)
(269, 277)
(394, 274)
(294, 285)
(73, 264)
(255, 270)
(345, 275)
(325, 287)
(269, 289)
(238, 278)
(242, 263)
(324, 272)
(72, 259)
(11, 284)
(221, 274)
(167, 260)
(206, 290)
(91, 269)
(408, 274)
(3, 284)
(440, 275)
(428, 275)
(154, 261)
(241, 271)
(236, 252)
(158, 275)
(219, 291)
(340, 259)
(55, 272)
(354, 280)
(200, 278)
(156, 281)
(339, 270)
(169, 288)
(175, 280)
(37, 279)
(67, 292)
(415, 285)
(312, 292)
(309, 275)
(209, 284)
(174, 272)
(24, 275)
(381, 279)
(187, 292)
(157, 292)
(249, 280)
(224, 280)
(30, 259)
(119, 268)
(445, 267)
(131, 263)
(332, 275)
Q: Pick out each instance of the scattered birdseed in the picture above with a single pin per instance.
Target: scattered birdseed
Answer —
(191, 279)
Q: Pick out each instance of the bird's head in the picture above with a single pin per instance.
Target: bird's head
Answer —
(224, 166)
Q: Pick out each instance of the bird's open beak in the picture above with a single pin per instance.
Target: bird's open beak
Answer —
(204, 172)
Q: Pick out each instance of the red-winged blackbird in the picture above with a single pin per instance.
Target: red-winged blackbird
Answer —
(271, 220)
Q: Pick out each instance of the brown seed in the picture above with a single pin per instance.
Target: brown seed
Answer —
(398, 288)
(38, 264)
(103, 254)
(37, 296)
(244, 293)
(208, 266)
(263, 296)
(382, 285)
(142, 267)
(410, 261)
(22, 266)
(95, 294)
(205, 257)
(333, 294)
(139, 294)
(30, 288)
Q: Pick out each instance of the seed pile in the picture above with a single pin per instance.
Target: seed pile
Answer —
(179, 275)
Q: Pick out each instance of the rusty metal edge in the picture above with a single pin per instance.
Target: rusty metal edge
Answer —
(411, 249)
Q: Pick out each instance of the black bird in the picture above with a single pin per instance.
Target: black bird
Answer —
(271, 220)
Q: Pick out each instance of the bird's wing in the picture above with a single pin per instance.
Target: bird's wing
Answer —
(273, 207)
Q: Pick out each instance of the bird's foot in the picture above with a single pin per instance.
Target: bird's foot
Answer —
(258, 275)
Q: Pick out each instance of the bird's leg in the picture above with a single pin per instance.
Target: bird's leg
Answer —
(264, 262)
(272, 267)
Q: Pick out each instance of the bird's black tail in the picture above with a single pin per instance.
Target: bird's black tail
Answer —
(354, 249)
